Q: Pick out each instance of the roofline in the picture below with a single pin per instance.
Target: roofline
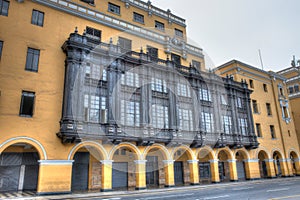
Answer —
(269, 73)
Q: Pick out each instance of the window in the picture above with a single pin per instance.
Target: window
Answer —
(224, 100)
(95, 72)
(4, 5)
(272, 131)
(138, 17)
(89, 1)
(251, 83)
(125, 45)
(269, 110)
(291, 89)
(183, 90)
(204, 94)
(27, 104)
(207, 122)
(114, 8)
(258, 130)
(159, 26)
(265, 87)
(185, 119)
(130, 113)
(32, 60)
(130, 79)
(254, 106)
(93, 33)
(159, 85)
(1, 46)
(280, 90)
(296, 87)
(227, 124)
(95, 108)
(239, 102)
(176, 59)
(243, 126)
(152, 53)
(285, 112)
(196, 64)
(37, 18)
(178, 32)
(160, 116)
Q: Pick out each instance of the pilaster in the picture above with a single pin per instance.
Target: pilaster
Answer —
(106, 180)
(214, 168)
(194, 172)
(169, 173)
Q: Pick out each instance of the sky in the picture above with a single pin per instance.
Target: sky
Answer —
(238, 29)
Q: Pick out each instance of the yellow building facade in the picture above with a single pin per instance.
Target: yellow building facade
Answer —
(43, 148)
(292, 75)
(272, 113)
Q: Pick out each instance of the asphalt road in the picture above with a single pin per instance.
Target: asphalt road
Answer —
(258, 190)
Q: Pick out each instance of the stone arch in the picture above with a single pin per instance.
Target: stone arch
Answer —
(293, 152)
(209, 150)
(126, 145)
(162, 149)
(244, 152)
(190, 153)
(27, 140)
(264, 151)
(93, 144)
(276, 150)
(227, 151)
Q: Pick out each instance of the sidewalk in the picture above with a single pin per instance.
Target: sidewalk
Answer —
(86, 195)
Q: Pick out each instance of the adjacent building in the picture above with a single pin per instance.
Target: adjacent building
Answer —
(292, 75)
(105, 95)
(272, 114)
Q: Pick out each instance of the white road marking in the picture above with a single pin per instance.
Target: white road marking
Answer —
(243, 188)
(276, 190)
(217, 197)
(286, 183)
(178, 195)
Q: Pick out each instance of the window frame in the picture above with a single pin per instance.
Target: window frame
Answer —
(1, 48)
(178, 32)
(185, 117)
(273, 132)
(265, 86)
(176, 59)
(227, 124)
(137, 17)
(35, 56)
(123, 43)
(258, 129)
(37, 21)
(269, 109)
(159, 25)
(207, 122)
(31, 95)
(255, 106)
(130, 114)
(2, 8)
(251, 83)
(113, 8)
(160, 116)
(93, 104)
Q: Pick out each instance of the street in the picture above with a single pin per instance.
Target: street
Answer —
(282, 188)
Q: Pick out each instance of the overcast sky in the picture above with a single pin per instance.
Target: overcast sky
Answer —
(236, 29)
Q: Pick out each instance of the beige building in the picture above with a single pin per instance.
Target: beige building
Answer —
(272, 112)
(292, 75)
